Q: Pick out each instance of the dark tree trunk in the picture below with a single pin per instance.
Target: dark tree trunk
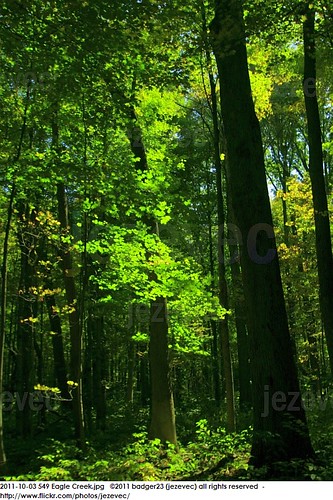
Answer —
(4, 271)
(75, 326)
(3, 307)
(74, 319)
(163, 424)
(280, 429)
(60, 369)
(144, 379)
(25, 329)
(221, 220)
(244, 373)
(130, 373)
(213, 324)
(98, 368)
(321, 214)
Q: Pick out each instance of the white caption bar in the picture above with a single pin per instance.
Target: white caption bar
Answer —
(108, 490)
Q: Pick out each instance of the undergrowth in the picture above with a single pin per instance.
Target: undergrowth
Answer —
(211, 454)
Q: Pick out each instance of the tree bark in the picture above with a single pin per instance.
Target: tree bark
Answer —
(321, 214)
(280, 430)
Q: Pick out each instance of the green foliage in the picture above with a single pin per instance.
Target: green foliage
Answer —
(142, 459)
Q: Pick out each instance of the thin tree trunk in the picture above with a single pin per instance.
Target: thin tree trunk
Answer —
(99, 375)
(244, 373)
(321, 214)
(25, 329)
(221, 220)
(60, 369)
(130, 373)
(72, 301)
(213, 324)
(4, 271)
(280, 430)
(74, 320)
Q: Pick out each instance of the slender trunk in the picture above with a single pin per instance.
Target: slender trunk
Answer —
(273, 366)
(40, 374)
(87, 374)
(244, 373)
(4, 271)
(216, 365)
(321, 214)
(221, 220)
(130, 373)
(72, 301)
(60, 369)
(26, 326)
(74, 320)
(99, 375)
(213, 324)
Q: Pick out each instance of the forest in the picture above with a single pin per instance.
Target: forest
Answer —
(166, 173)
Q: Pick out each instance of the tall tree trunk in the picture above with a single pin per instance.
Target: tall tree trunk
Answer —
(96, 325)
(3, 305)
(244, 373)
(60, 368)
(273, 367)
(75, 326)
(74, 319)
(4, 271)
(321, 214)
(130, 372)
(163, 424)
(213, 323)
(221, 221)
(25, 329)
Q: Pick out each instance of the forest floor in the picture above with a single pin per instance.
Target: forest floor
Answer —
(123, 452)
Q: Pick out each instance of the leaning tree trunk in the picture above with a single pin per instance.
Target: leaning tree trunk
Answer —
(280, 429)
(321, 214)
